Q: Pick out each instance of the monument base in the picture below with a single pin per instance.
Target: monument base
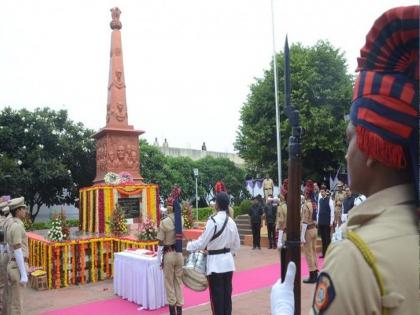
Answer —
(97, 202)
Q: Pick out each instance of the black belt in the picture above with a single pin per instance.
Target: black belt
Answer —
(169, 248)
(219, 251)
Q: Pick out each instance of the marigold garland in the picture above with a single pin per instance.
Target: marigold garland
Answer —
(65, 266)
(50, 267)
(57, 267)
(92, 261)
(56, 257)
(82, 263)
(101, 259)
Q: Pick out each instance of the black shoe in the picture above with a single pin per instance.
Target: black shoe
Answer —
(313, 275)
(179, 310)
(254, 247)
(259, 247)
(172, 310)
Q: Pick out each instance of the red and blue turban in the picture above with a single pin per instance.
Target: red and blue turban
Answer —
(386, 95)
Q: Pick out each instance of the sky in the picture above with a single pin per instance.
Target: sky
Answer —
(188, 64)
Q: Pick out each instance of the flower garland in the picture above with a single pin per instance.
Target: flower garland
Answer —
(73, 265)
(92, 262)
(65, 265)
(112, 178)
(101, 260)
(126, 178)
(57, 267)
(82, 262)
(50, 266)
(56, 257)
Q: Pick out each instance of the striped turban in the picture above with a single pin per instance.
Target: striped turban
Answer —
(386, 94)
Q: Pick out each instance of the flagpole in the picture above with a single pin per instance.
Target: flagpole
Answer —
(278, 138)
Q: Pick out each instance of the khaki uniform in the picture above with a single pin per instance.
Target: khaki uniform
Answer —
(268, 186)
(338, 198)
(281, 216)
(4, 260)
(385, 222)
(16, 235)
(173, 261)
(309, 247)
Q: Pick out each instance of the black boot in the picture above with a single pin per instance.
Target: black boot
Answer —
(172, 310)
(179, 310)
(313, 275)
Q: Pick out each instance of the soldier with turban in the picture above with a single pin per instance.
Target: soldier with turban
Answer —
(371, 267)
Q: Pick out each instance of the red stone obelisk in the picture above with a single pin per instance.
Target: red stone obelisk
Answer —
(117, 144)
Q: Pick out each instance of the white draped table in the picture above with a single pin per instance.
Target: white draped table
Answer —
(139, 279)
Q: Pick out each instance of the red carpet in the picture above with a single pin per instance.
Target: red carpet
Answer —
(243, 281)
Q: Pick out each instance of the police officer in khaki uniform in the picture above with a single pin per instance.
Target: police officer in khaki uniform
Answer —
(308, 238)
(4, 258)
(172, 261)
(339, 196)
(371, 267)
(281, 221)
(268, 186)
(18, 251)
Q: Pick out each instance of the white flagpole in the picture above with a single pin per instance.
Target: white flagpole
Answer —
(278, 138)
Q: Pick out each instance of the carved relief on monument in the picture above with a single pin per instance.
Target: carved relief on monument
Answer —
(117, 80)
(101, 155)
(121, 112)
(132, 157)
(121, 156)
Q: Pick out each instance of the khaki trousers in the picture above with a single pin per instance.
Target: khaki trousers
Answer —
(309, 249)
(4, 258)
(172, 270)
(15, 290)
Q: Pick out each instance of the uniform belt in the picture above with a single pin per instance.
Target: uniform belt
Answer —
(25, 259)
(219, 251)
(311, 226)
(169, 248)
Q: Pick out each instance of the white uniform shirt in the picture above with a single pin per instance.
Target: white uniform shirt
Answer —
(228, 239)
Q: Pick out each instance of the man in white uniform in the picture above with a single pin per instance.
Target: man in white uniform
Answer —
(221, 239)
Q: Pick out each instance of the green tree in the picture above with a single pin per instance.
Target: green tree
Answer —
(44, 156)
(167, 171)
(213, 169)
(321, 90)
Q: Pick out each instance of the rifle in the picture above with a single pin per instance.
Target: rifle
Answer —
(292, 247)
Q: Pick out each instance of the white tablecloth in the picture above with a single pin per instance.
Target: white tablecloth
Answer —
(139, 279)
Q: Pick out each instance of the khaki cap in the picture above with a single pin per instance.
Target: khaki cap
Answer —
(17, 203)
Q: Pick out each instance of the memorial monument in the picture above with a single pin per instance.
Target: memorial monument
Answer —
(118, 179)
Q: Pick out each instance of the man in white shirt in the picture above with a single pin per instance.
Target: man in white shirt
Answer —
(220, 247)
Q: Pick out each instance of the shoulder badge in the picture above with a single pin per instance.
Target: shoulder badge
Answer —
(324, 294)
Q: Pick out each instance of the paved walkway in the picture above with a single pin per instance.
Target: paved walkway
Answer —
(256, 302)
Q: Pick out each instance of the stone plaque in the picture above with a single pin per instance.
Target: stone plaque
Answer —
(130, 206)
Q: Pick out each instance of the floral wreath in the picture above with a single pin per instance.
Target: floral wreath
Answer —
(126, 178)
(112, 178)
